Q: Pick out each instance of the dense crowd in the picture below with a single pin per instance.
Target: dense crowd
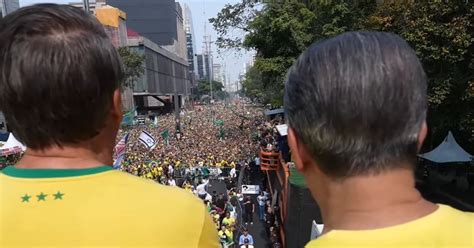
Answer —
(217, 137)
(212, 143)
(9, 160)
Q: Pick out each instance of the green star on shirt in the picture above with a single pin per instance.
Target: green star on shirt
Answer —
(41, 197)
(58, 196)
(25, 198)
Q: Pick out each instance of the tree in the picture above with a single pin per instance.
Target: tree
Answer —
(279, 31)
(231, 21)
(133, 65)
(441, 32)
(204, 89)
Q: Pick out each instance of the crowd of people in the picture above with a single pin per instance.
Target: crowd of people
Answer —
(218, 137)
(9, 160)
(212, 143)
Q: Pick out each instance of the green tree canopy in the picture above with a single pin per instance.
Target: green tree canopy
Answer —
(204, 89)
(441, 32)
(133, 65)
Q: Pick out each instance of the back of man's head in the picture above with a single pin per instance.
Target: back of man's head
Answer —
(58, 74)
(357, 102)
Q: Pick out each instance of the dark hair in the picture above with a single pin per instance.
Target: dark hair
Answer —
(357, 102)
(58, 72)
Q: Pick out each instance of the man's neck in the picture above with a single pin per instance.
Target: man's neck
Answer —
(371, 202)
(66, 157)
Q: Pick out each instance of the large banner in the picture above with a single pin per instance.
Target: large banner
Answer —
(248, 189)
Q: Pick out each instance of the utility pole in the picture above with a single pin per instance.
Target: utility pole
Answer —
(86, 6)
(208, 53)
(207, 50)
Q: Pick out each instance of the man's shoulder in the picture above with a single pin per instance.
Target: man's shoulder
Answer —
(444, 226)
(152, 191)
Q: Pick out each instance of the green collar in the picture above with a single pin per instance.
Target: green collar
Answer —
(52, 173)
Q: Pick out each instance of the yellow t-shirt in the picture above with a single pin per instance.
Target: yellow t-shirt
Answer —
(446, 227)
(228, 221)
(98, 207)
(227, 233)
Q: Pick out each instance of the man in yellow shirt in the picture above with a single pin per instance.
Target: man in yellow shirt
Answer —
(60, 92)
(226, 235)
(356, 107)
(228, 220)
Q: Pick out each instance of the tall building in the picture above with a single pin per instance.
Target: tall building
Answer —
(92, 4)
(8, 6)
(114, 22)
(249, 64)
(203, 62)
(165, 78)
(153, 19)
(179, 44)
(218, 73)
(190, 40)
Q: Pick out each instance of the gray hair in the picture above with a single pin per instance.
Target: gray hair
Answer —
(357, 101)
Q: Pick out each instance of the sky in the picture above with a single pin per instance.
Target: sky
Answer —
(233, 61)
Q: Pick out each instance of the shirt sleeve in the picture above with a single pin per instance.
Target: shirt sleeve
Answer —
(209, 237)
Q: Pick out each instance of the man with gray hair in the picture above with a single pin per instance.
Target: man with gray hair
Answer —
(356, 107)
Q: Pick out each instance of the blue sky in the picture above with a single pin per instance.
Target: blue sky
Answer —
(234, 62)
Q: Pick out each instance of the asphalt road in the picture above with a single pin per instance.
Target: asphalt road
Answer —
(257, 230)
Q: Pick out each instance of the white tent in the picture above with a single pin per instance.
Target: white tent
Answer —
(449, 151)
(12, 146)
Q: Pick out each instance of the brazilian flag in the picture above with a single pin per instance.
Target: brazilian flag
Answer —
(165, 134)
(221, 133)
(219, 122)
(128, 117)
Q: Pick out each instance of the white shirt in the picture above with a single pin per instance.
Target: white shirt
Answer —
(261, 200)
(171, 182)
(257, 161)
(201, 188)
(233, 173)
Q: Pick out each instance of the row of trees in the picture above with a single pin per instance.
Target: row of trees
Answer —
(441, 32)
(204, 90)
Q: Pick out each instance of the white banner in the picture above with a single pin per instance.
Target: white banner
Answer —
(250, 189)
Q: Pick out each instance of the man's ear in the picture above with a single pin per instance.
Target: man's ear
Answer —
(297, 150)
(117, 106)
(422, 135)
